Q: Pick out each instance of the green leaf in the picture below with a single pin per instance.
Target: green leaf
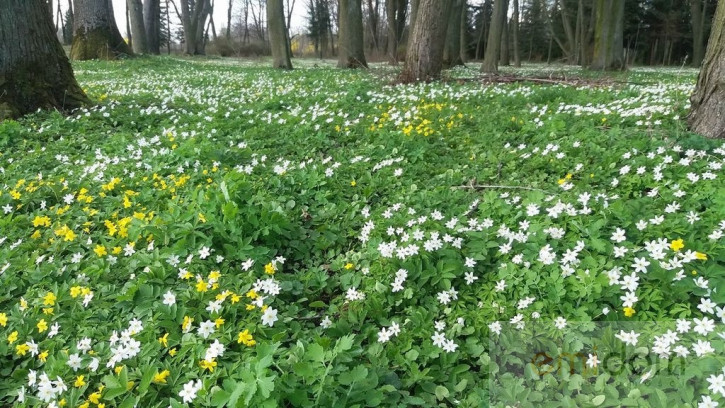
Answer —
(441, 392)
(598, 400)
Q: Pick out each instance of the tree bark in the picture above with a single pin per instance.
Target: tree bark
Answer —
(193, 19)
(413, 17)
(395, 11)
(707, 116)
(504, 56)
(278, 35)
(609, 36)
(493, 44)
(229, 21)
(95, 34)
(136, 21)
(152, 25)
(452, 49)
(34, 70)
(424, 57)
(351, 50)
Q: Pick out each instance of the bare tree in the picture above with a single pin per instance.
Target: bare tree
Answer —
(609, 36)
(152, 24)
(278, 35)
(136, 21)
(424, 57)
(493, 45)
(95, 34)
(193, 17)
(351, 53)
(452, 48)
(395, 11)
(35, 71)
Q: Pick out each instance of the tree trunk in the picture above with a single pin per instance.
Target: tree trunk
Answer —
(504, 56)
(413, 17)
(278, 35)
(34, 70)
(707, 116)
(95, 34)
(193, 20)
(424, 57)
(229, 20)
(351, 48)
(570, 35)
(135, 8)
(452, 49)
(697, 12)
(463, 33)
(515, 34)
(609, 36)
(393, 10)
(493, 44)
(152, 25)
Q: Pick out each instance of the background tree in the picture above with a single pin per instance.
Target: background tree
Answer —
(351, 53)
(136, 22)
(193, 15)
(95, 34)
(68, 26)
(152, 25)
(452, 48)
(707, 116)
(395, 11)
(34, 70)
(424, 56)
(609, 36)
(278, 35)
(493, 45)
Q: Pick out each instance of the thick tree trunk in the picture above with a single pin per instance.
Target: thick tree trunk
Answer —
(413, 17)
(95, 34)
(351, 48)
(152, 25)
(707, 116)
(138, 31)
(609, 36)
(452, 49)
(504, 59)
(424, 57)
(395, 11)
(278, 35)
(34, 70)
(515, 34)
(493, 44)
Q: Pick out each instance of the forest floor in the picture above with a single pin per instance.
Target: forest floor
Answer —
(216, 233)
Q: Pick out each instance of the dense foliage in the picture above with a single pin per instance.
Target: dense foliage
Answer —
(214, 234)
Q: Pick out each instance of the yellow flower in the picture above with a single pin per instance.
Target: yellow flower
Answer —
(677, 244)
(12, 337)
(353, 183)
(3, 319)
(201, 286)
(252, 294)
(36, 234)
(269, 268)
(95, 397)
(39, 221)
(250, 307)
(100, 250)
(101, 405)
(701, 256)
(235, 298)
(62, 403)
(42, 326)
(118, 369)
(85, 405)
(79, 382)
(23, 304)
(208, 365)
(246, 338)
(187, 323)
(43, 356)
(219, 322)
(75, 291)
(172, 352)
(21, 349)
(629, 312)
(349, 266)
(164, 340)
(48, 310)
(202, 218)
(160, 378)
(49, 299)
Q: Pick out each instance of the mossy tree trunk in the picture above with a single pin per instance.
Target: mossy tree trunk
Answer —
(452, 48)
(424, 56)
(609, 36)
(34, 70)
(351, 50)
(138, 31)
(95, 34)
(278, 35)
(493, 44)
(152, 25)
(707, 116)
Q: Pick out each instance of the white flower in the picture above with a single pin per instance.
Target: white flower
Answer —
(495, 327)
(640, 264)
(707, 402)
(702, 347)
(188, 393)
(204, 252)
(717, 384)
(439, 339)
(326, 322)
(74, 361)
(706, 305)
(592, 361)
(704, 326)
(628, 338)
(169, 298)
(560, 323)
(618, 235)
(384, 335)
(269, 316)
(206, 328)
(247, 264)
(450, 346)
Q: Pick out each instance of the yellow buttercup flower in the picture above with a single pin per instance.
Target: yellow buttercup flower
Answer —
(269, 268)
(160, 378)
(701, 256)
(3, 319)
(42, 326)
(629, 312)
(349, 266)
(172, 352)
(245, 338)
(208, 365)
(49, 299)
(21, 349)
(100, 250)
(79, 382)
(43, 356)
(164, 340)
(13, 337)
(677, 244)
